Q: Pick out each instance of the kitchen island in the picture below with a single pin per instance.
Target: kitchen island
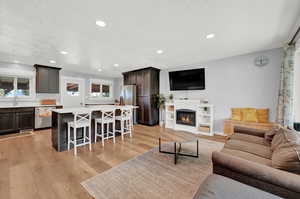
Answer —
(61, 117)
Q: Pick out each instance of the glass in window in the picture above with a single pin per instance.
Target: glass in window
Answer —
(73, 89)
(95, 90)
(23, 87)
(105, 90)
(6, 86)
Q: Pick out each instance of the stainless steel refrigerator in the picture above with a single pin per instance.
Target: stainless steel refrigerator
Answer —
(129, 98)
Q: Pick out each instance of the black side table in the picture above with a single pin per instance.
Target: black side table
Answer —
(177, 151)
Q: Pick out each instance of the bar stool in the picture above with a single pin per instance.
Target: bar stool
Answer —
(108, 117)
(82, 119)
(126, 121)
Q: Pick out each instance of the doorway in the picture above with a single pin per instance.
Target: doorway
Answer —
(72, 92)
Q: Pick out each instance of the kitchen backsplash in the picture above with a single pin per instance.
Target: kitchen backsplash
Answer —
(27, 102)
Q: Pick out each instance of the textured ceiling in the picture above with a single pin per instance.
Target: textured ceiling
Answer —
(35, 31)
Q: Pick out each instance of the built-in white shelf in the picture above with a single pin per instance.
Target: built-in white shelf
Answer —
(204, 123)
(204, 116)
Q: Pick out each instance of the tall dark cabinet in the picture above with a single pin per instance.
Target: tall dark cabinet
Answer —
(147, 83)
(47, 79)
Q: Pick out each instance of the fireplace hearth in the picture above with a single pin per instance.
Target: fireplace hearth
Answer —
(186, 117)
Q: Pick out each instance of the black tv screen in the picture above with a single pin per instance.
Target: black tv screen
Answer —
(187, 80)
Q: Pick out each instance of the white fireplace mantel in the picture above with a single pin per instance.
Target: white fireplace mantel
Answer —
(204, 116)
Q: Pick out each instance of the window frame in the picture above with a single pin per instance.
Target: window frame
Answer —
(67, 92)
(90, 93)
(101, 82)
(15, 86)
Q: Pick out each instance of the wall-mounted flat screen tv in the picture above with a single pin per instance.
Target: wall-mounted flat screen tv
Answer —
(187, 80)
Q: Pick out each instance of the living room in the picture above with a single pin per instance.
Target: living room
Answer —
(150, 99)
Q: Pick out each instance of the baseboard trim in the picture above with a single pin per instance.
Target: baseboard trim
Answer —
(220, 133)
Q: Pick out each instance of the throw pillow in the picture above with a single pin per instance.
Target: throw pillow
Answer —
(269, 135)
(277, 139)
(236, 114)
(287, 154)
(263, 115)
(249, 115)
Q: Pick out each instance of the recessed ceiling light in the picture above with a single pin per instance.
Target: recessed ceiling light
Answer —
(16, 61)
(100, 23)
(63, 52)
(159, 51)
(116, 65)
(52, 61)
(210, 36)
(99, 69)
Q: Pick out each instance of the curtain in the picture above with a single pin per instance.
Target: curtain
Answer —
(285, 111)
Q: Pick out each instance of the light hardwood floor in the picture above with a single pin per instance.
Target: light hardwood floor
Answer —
(31, 168)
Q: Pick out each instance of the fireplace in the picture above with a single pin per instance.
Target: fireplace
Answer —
(186, 117)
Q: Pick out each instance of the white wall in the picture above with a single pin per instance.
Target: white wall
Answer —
(87, 77)
(19, 69)
(118, 84)
(235, 82)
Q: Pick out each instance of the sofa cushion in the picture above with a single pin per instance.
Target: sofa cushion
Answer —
(249, 115)
(256, 149)
(277, 139)
(287, 158)
(262, 115)
(269, 135)
(250, 138)
(220, 187)
(286, 154)
(276, 181)
(236, 114)
(248, 156)
(249, 131)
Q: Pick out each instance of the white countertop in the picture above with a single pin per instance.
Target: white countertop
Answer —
(27, 106)
(91, 108)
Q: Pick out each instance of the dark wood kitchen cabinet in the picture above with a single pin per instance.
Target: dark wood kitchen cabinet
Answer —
(130, 78)
(53, 75)
(147, 86)
(47, 79)
(142, 83)
(141, 110)
(7, 122)
(146, 111)
(16, 119)
(25, 120)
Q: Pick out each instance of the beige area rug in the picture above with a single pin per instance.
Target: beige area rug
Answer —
(153, 175)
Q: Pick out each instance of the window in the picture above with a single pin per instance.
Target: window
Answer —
(14, 86)
(23, 87)
(101, 89)
(73, 89)
(105, 90)
(7, 86)
(96, 90)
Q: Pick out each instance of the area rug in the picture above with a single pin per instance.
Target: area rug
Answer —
(154, 175)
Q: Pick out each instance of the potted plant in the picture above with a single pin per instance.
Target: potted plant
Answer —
(171, 97)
